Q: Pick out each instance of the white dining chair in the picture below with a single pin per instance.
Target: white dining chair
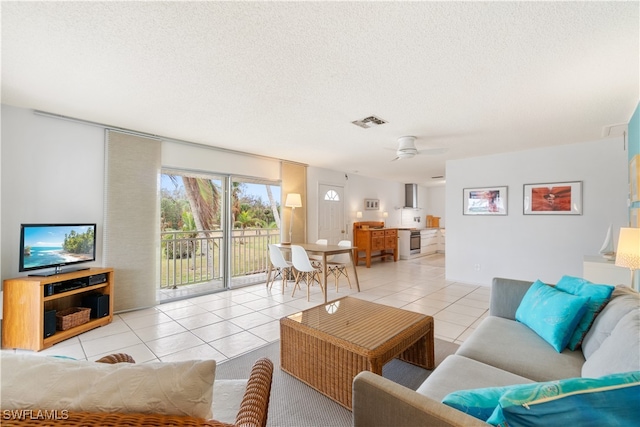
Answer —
(304, 269)
(316, 260)
(281, 266)
(337, 264)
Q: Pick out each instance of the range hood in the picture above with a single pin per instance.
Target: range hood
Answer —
(411, 196)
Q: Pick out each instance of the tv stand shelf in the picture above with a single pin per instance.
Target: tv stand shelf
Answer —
(25, 304)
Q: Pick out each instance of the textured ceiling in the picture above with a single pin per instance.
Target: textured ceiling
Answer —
(287, 79)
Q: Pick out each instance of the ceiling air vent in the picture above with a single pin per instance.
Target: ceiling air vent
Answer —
(369, 122)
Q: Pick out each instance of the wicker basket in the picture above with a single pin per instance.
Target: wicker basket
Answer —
(72, 317)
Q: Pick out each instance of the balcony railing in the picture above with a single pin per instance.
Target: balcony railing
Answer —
(188, 258)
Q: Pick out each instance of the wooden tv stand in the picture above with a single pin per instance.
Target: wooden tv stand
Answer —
(375, 241)
(27, 298)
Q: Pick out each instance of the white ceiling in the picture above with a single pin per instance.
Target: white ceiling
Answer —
(286, 80)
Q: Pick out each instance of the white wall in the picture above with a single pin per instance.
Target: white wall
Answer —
(431, 200)
(435, 202)
(52, 171)
(533, 247)
(356, 189)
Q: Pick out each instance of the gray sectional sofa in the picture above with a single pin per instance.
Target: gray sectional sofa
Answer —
(501, 352)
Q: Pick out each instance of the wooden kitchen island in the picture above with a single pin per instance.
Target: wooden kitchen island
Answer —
(373, 240)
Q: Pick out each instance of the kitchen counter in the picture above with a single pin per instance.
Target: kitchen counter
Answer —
(432, 240)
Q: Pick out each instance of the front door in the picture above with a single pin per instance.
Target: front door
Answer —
(331, 224)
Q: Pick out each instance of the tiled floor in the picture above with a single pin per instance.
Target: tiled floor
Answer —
(226, 324)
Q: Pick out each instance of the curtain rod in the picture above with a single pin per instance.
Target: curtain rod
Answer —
(153, 136)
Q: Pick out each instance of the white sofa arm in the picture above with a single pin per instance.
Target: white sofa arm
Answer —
(378, 401)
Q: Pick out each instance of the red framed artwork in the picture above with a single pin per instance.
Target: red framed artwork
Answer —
(557, 198)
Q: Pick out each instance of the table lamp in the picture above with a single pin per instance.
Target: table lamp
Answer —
(293, 201)
(628, 253)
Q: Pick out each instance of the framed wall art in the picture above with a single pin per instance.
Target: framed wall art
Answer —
(554, 198)
(372, 204)
(484, 201)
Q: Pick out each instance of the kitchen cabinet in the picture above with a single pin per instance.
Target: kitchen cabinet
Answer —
(374, 241)
(442, 240)
(429, 241)
(404, 245)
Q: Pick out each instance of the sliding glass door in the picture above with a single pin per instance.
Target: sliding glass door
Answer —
(255, 212)
(214, 232)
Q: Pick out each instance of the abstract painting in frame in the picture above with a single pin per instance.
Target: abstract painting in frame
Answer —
(485, 201)
(554, 198)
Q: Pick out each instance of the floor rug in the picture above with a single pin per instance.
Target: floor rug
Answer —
(295, 404)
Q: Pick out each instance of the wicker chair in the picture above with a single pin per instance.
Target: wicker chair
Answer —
(252, 413)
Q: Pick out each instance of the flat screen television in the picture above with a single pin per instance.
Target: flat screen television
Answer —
(45, 246)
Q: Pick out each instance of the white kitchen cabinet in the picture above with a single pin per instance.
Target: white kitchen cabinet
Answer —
(404, 243)
(429, 241)
(441, 240)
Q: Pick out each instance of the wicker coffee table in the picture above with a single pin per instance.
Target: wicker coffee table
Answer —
(328, 345)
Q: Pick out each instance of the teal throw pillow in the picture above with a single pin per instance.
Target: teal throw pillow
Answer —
(551, 313)
(586, 402)
(479, 403)
(599, 296)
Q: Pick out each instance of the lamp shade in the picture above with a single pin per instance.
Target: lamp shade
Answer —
(628, 253)
(293, 200)
(358, 214)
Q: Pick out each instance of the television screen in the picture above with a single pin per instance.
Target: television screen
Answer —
(55, 245)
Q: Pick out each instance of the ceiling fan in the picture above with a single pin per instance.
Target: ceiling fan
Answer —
(407, 149)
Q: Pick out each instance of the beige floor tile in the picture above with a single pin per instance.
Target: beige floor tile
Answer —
(200, 320)
(161, 330)
(147, 320)
(236, 344)
(173, 343)
(237, 320)
(269, 331)
(200, 352)
(109, 344)
(251, 320)
(216, 331)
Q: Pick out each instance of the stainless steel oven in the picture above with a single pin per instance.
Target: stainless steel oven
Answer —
(414, 242)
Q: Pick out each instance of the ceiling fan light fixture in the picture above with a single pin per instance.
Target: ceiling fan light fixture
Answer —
(406, 154)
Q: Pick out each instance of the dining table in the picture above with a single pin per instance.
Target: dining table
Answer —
(326, 251)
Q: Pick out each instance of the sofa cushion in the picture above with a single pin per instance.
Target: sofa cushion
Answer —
(623, 300)
(610, 400)
(178, 388)
(551, 313)
(514, 347)
(620, 352)
(479, 403)
(458, 373)
(598, 295)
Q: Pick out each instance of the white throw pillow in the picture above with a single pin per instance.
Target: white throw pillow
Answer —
(619, 352)
(47, 383)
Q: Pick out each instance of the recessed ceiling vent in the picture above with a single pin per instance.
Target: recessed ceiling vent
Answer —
(369, 122)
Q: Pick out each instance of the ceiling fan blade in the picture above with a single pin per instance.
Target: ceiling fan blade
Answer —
(433, 151)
